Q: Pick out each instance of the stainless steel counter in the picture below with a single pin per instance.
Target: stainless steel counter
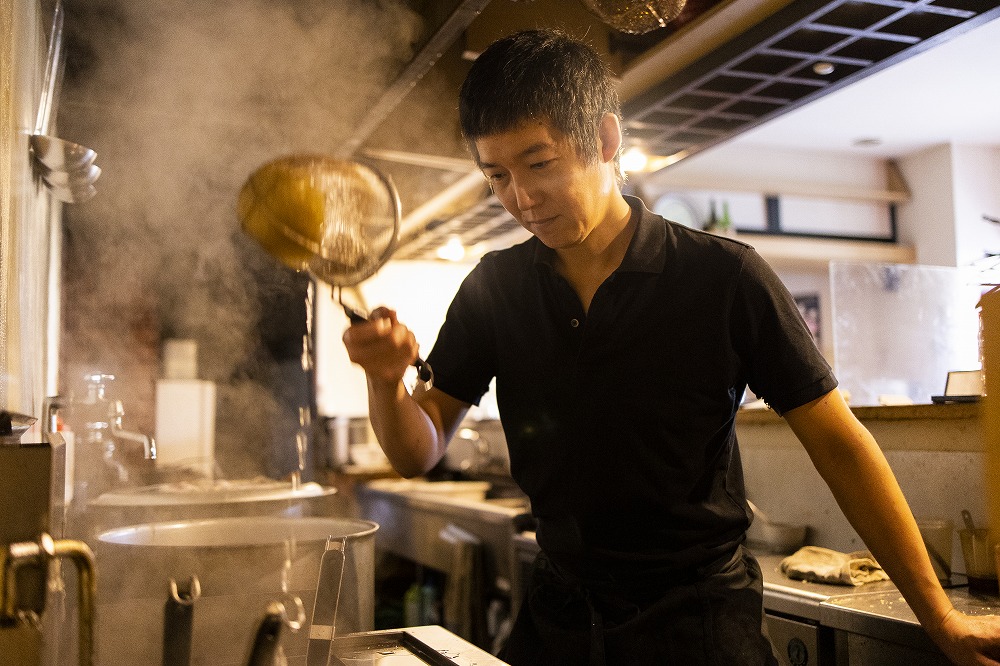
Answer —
(866, 624)
(803, 599)
(876, 623)
(412, 515)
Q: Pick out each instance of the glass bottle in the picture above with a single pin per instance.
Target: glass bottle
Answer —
(725, 222)
(713, 220)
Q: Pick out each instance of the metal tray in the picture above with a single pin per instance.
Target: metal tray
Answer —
(373, 649)
(431, 645)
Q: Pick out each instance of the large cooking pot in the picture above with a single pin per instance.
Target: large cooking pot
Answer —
(216, 499)
(241, 565)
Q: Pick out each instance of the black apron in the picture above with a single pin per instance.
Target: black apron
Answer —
(712, 616)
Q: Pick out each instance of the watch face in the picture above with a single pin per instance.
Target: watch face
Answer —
(676, 209)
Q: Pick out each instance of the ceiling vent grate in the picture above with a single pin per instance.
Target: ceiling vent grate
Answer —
(805, 50)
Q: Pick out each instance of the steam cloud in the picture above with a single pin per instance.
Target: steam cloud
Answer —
(183, 100)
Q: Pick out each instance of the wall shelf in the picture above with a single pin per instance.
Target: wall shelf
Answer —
(895, 191)
(797, 252)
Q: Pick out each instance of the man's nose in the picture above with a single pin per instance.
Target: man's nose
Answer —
(525, 193)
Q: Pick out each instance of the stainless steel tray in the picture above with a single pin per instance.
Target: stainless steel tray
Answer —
(395, 648)
(430, 645)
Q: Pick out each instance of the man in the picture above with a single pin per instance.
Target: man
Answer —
(621, 345)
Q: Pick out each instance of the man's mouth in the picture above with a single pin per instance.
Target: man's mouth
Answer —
(540, 222)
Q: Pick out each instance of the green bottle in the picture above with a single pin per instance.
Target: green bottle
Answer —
(413, 606)
(726, 222)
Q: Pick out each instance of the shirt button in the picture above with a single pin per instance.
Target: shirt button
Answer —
(574, 322)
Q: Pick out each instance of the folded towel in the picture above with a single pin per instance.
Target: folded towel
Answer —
(822, 565)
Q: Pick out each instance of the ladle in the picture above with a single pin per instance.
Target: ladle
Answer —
(77, 178)
(60, 155)
(77, 194)
(53, 155)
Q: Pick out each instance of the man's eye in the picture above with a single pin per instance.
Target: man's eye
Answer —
(541, 165)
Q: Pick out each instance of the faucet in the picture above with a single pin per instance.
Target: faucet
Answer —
(98, 464)
(148, 443)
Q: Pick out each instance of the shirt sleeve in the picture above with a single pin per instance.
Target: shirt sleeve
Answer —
(783, 365)
(464, 353)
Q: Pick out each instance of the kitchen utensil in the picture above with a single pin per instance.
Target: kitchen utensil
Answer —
(80, 177)
(265, 644)
(74, 186)
(336, 219)
(66, 167)
(53, 66)
(74, 194)
(60, 155)
(769, 536)
(13, 426)
(324, 618)
(178, 620)
(937, 535)
(980, 567)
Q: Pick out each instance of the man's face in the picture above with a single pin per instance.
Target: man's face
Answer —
(542, 181)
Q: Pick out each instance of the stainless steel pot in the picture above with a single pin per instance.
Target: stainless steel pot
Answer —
(243, 565)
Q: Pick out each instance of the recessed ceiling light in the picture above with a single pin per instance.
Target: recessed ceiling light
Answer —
(634, 159)
(867, 142)
(823, 68)
(452, 250)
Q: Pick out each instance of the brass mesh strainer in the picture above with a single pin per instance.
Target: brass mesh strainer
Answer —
(336, 219)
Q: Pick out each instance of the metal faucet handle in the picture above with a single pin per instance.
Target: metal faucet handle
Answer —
(117, 411)
(97, 384)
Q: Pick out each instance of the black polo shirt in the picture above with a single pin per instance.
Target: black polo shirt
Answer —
(620, 421)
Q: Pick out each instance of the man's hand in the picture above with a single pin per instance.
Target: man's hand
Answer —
(969, 640)
(383, 347)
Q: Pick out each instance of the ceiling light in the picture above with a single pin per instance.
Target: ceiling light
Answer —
(867, 142)
(634, 159)
(453, 250)
(823, 68)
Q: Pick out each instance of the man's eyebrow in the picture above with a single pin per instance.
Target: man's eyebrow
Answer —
(527, 152)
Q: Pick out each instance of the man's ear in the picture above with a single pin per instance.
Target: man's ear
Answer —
(609, 135)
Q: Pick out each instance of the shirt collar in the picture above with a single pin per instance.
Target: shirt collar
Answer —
(646, 253)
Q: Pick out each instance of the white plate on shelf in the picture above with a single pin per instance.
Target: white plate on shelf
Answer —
(677, 209)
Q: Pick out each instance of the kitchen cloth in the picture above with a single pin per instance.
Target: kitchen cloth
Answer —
(822, 565)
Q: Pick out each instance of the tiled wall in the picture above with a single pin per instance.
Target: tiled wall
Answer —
(938, 463)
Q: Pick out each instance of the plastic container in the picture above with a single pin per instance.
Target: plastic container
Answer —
(938, 535)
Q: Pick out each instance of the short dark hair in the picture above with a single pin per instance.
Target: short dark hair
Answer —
(538, 74)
